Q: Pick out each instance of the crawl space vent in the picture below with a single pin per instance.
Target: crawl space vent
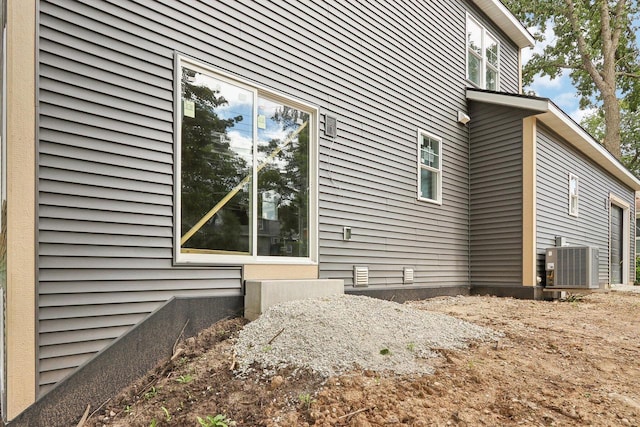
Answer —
(407, 276)
(360, 276)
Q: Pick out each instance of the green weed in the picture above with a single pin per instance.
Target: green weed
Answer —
(306, 400)
(151, 393)
(167, 415)
(185, 379)
(217, 421)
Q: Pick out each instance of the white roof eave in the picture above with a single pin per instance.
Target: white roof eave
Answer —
(513, 28)
(558, 121)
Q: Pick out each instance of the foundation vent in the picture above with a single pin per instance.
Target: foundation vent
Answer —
(360, 276)
(407, 277)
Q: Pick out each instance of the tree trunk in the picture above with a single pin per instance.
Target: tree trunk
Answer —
(611, 107)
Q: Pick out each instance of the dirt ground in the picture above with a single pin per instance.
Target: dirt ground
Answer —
(574, 362)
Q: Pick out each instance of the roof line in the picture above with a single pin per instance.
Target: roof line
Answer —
(499, 13)
(557, 120)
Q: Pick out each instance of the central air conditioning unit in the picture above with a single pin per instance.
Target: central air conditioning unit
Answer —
(572, 267)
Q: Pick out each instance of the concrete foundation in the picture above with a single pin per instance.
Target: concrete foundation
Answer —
(519, 292)
(126, 359)
(403, 294)
(262, 294)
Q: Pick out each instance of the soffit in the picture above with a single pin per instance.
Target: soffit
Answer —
(513, 28)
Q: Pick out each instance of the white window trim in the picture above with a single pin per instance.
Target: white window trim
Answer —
(577, 195)
(438, 200)
(483, 58)
(216, 259)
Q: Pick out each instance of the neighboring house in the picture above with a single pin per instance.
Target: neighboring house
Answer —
(160, 149)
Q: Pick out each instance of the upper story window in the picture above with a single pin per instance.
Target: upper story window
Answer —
(573, 195)
(246, 171)
(429, 167)
(483, 56)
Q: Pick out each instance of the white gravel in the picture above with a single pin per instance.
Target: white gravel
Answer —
(334, 335)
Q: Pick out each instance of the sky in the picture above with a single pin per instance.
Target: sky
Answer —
(560, 90)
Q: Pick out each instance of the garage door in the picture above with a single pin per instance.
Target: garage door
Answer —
(616, 247)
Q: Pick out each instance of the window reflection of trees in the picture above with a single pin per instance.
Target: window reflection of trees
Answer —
(210, 170)
(286, 177)
(214, 163)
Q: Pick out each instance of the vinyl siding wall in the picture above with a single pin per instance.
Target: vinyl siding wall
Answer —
(411, 65)
(555, 161)
(384, 69)
(496, 195)
(105, 201)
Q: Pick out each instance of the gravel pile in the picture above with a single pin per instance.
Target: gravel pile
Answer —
(334, 335)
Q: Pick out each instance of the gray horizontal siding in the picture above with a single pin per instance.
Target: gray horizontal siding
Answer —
(367, 177)
(384, 69)
(496, 195)
(105, 187)
(555, 160)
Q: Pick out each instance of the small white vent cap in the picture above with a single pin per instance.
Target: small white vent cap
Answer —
(360, 276)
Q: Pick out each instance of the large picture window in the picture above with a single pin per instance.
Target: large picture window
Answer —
(483, 56)
(429, 167)
(246, 171)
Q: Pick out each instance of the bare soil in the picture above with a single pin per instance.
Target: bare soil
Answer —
(560, 363)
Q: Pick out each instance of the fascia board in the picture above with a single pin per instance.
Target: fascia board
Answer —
(513, 28)
(558, 121)
(507, 100)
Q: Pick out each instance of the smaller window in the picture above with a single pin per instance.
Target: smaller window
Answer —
(573, 195)
(429, 167)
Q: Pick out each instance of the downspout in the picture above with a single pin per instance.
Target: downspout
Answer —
(468, 127)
